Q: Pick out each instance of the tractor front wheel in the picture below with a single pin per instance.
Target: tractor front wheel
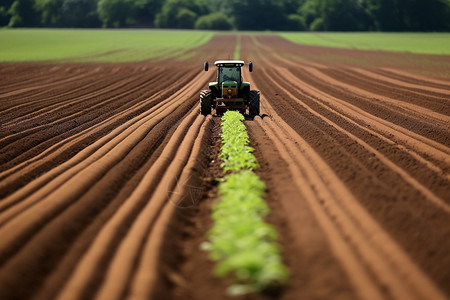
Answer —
(253, 103)
(205, 102)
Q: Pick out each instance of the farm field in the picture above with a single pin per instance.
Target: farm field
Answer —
(107, 173)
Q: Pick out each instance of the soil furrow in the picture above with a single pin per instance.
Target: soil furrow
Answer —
(413, 78)
(185, 194)
(36, 140)
(26, 74)
(73, 140)
(30, 90)
(64, 240)
(86, 135)
(384, 160)
(80, 279)
(350, 168)
(59, 93)
(87, 92)
(426, 99)
(396, 289)
(389, 103)
(125, 264)
(372, 275)
(91, 155)
(423, 143)
(14, 263)
(81, 109)
(393, 82)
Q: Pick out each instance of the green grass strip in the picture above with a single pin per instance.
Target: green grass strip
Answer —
(97, 45)
(237, 50)
(417, 42)
(240, 241)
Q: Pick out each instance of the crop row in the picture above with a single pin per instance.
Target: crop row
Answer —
(241, 243)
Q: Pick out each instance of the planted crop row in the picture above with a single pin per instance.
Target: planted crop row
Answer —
(235, 152)
(240, 242)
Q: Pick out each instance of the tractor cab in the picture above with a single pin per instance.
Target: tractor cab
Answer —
(229, 80)
(229, 71)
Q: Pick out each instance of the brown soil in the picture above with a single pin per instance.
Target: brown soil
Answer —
(107, 174)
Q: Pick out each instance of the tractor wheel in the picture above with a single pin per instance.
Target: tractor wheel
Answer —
(205, 102)
(253, 103)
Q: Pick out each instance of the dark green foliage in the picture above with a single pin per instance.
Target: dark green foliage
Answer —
(22, 14)
(296, 23)
(317, 25)
(50, 12)
(145, 12)
(342, 15)
(4, 18)
(410, 15)
(115, 13)
(6, 3)
(180, 14)
(68, 13)
(185, 18)
(291, 6)
(387, 14)
(121, 13)
(310, 11)
(4, 8)
(80, 14)
(289, 15)
(256, 15)
(214, 21)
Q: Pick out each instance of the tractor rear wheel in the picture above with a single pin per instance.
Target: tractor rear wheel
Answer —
(205, 102)
(253, 103)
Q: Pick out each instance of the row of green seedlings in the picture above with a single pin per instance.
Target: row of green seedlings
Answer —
(243, 246)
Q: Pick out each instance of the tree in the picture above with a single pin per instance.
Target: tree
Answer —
(332, 15)
(146, 10)
(427, 15)
(185, 18)
(4, 20)
(310, 12)
(23, 14)
(180, 13)
(6, 3)
(50, 12)
(387, 14)
(409, 15)
(4, 8)
(257, 14)
(317, 25)
(296, 23)
(342, 15)
(291, 6)
(80, 13)
(116, 13)
(214, 21)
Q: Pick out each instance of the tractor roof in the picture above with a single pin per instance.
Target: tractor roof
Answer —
(229, 63)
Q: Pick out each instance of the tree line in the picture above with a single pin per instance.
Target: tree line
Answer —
(286, 15)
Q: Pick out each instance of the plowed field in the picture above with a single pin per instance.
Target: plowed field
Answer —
(107, 174)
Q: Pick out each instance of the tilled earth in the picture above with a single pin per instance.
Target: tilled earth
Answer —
(107, 174)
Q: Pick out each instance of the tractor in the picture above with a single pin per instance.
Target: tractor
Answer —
(229, 91)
